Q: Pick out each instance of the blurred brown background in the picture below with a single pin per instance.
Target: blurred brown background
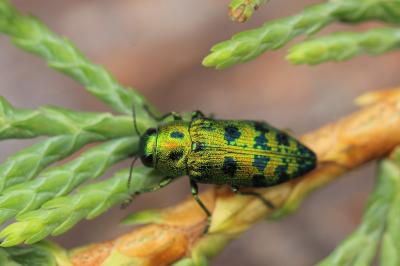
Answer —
(157, 46)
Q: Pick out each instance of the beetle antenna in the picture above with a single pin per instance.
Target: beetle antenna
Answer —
(134, 121)
(131, 171)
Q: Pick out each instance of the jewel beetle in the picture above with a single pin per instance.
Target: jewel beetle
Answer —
(238, 153)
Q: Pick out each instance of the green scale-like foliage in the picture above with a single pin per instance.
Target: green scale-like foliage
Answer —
(59, 214)
(380, 221)
(342, 46)
(275, 34)
(32, 35)
(26, 186)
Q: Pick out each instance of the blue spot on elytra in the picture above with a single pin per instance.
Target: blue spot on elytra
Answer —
(259, 181)
(260, 141)
(232, 133)
(176, 135)
(282, 139)
(281, 172)
(205, 169)
(258, 126)
(305, 152)
(230, 166)
(260, 162)
(175, 155)
(304, 166)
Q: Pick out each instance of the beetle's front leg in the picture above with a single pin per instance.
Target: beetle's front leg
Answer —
(164, 182)
(266, 202)
(195, 193)
(175, 115)
(198, 114)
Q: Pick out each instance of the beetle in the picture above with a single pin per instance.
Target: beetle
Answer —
(238, 153)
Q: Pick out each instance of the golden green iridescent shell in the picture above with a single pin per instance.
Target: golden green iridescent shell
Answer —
(237, 153)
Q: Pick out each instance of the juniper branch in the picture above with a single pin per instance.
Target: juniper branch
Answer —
(41, 254)
(21, 256)
(27, 163)
(389, 255)
(33, 36)
(60, 180)
(370, 231)
(342, 46)
(60, 214)
(24, 123)
(273, 35)
(82, 128)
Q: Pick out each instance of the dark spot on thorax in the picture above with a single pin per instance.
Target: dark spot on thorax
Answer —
(175, 155)
(177, 135)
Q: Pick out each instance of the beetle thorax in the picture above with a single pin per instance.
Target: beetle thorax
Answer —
(172, 148)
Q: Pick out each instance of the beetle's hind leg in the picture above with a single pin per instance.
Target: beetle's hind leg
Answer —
(195, 194)
(266, 202)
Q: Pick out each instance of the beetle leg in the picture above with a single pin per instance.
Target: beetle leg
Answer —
(198, 114)
(164, 182)
(255, 194)
(175, 115)
(195, 193)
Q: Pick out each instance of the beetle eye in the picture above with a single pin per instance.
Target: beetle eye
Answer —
(147, 160)
(150, 131)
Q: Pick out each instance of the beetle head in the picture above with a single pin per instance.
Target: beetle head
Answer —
(147, 147)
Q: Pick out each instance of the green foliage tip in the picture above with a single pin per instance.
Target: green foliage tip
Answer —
(342, 46)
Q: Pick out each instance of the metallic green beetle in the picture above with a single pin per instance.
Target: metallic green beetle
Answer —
(224, 152)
